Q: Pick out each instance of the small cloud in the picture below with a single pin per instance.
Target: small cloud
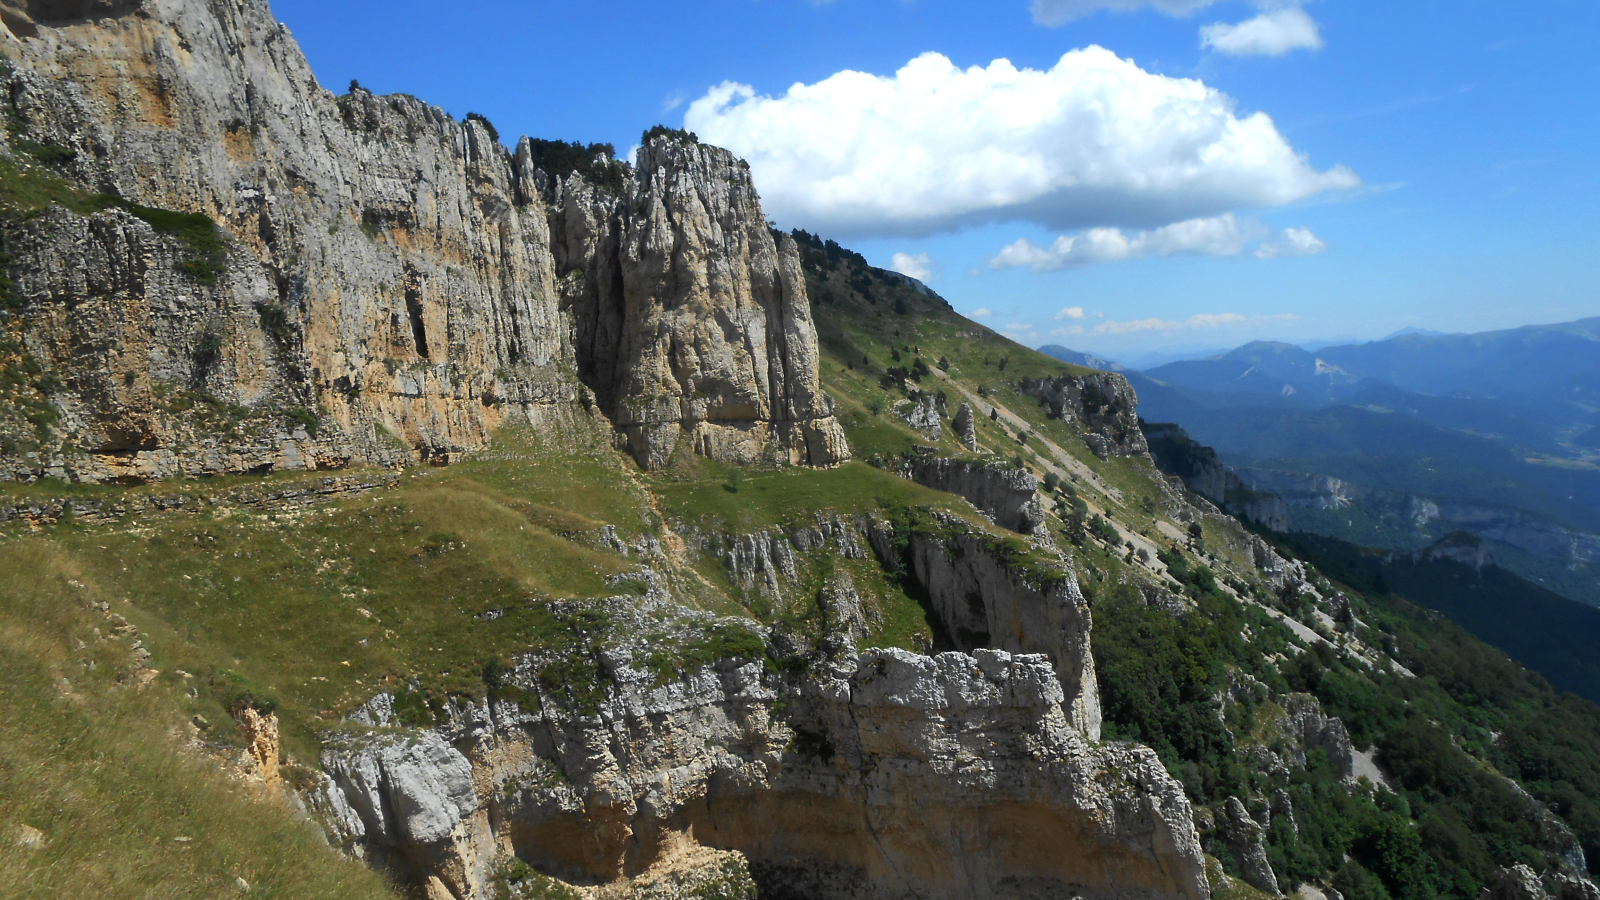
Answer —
(1197, 322)
(1071, 312)
(673, 101)
(1223, 235)
(1295, 242)
(1273, 33)
(920, 266)
(1067, 332)
(982, 312)
(1051, 13)
(1020, 331)
(1218, 236)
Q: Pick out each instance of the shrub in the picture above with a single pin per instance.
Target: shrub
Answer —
(487, 125)
(597, 162)
(675, 134)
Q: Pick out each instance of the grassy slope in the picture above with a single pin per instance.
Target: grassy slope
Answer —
(89, 762)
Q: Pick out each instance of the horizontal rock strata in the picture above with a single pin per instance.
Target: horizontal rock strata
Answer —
(885, 775)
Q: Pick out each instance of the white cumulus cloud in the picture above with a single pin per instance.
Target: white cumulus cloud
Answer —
(1218, 236)
(1071, 312)
(981, 312)
(1224, 235)
(919, 266)
(1051, 13)
(1274, 32)
(1294, 242)
(1093, 141)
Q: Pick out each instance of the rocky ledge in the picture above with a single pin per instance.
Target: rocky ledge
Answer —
(884, 774)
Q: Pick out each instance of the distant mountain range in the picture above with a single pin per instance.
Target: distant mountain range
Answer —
(1397, 442)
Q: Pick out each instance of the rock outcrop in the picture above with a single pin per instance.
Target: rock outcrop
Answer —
(921, 412)
(832, 797)
(1177, 453)
(384, 281)
(985, 597)
(1247, 839)
(692, 321)
(1007, 495)
(987, 591)
(1103, 405)
(966, 427)
(1521, 883)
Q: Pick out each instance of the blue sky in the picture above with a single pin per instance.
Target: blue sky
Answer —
(1426, 163)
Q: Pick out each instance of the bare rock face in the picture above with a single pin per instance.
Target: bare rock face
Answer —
(1103, 405)
(922, 414)
(385, 282)
(966, 427)
(1007, 495)
(984, 599)
(692, 322)
(1247, 838)
(888, 775)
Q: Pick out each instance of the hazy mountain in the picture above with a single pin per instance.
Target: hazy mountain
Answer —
(1087, 360)
(1268, 368)
(1544, 362)
(1420, 433)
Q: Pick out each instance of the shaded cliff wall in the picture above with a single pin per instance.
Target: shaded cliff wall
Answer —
(1177, 453)
(1007, 495)
(986, 598)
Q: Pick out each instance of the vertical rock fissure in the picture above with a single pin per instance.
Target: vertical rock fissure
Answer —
(419, 330)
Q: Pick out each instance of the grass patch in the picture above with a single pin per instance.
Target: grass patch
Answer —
(320, 609)
(95, 766)
(27, 190)
(792, 495)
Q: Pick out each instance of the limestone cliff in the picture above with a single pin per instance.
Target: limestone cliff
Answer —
(986, 598)
(1177, 453)
(384, 280)
(1007, 495)
(692, 321)
(825, 782)
(1102, 404)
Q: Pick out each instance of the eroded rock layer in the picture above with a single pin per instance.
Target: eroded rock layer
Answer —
(881, 775)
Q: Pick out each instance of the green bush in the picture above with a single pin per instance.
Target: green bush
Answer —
(494, 133)
(597, 163)
(674, 134)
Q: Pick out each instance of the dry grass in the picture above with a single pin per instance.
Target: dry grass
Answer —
(98, 767)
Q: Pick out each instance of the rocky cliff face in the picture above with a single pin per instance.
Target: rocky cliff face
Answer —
(1175, 452)
(1007, 495)
(985, 598)
(385, 279)
(692, 319)
(1103, 405)
(826, 783)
